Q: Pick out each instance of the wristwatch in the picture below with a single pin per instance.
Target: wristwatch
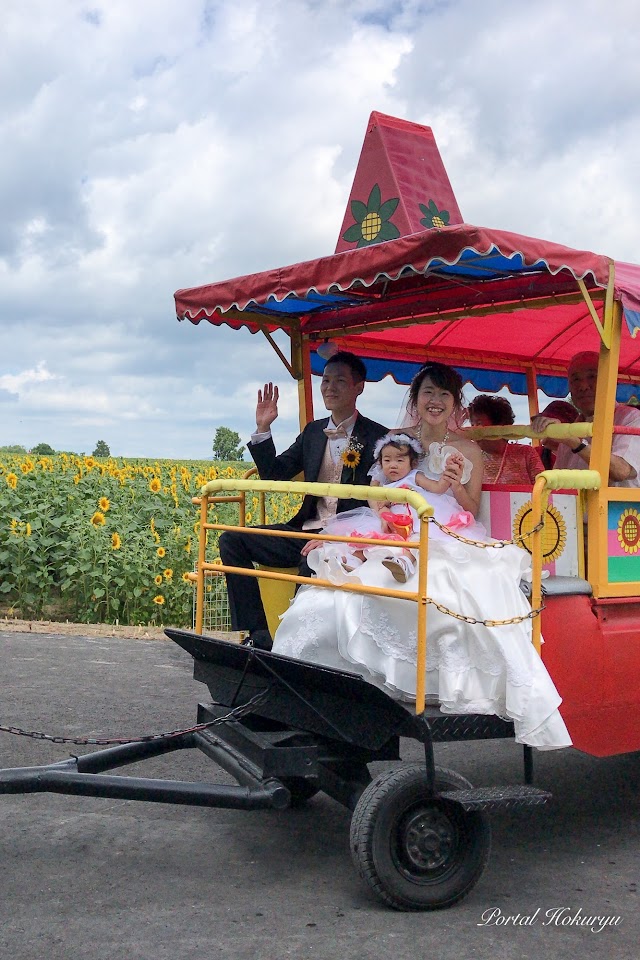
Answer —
(581, 446)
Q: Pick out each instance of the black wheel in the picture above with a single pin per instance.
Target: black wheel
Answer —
(417, 852)
(300, 789)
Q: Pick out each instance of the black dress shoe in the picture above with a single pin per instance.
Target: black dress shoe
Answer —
(260, 639)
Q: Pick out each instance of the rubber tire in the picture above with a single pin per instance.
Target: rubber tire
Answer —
(386, 810)
(300, 789)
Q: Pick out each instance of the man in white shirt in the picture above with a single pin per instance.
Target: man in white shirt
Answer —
(574, 454)
(317, 453)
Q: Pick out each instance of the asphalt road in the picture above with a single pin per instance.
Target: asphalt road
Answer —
(93, 878)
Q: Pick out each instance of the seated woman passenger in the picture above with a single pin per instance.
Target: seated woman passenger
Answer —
(504, 462)
(480, 658)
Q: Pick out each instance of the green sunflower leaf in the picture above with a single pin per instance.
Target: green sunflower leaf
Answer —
(388, 231)
(358, 210)
(373, 203)
(445, 216)
(353, 233)
(388, 208)
(433, 208)
(423, 209)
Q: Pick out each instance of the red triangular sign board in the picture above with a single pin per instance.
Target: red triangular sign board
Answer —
(400, 186)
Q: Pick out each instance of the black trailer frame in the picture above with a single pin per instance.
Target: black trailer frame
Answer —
(285, 730)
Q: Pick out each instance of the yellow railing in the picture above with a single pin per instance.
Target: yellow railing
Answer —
(515, 431)
(210, 494)
(545, 482)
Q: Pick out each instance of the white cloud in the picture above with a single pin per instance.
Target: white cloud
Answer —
(20, 383)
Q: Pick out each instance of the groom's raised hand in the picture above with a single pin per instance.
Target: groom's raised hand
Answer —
(266, 408)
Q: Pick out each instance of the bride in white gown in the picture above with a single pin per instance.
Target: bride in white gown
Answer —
(471, 668)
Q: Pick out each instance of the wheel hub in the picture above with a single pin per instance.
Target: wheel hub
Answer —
(430, 839)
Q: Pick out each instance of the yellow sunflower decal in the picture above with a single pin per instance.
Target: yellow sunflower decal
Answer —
(629, 531)
(554, 532)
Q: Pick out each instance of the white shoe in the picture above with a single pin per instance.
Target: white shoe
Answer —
(401, 568)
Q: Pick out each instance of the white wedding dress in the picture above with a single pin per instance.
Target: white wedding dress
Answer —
(471, 668)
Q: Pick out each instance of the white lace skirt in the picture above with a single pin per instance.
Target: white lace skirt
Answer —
(470, 668)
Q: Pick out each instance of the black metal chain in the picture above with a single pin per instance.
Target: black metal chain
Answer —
(234, 714)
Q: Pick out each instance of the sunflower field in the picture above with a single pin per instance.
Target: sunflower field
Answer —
(107, 541)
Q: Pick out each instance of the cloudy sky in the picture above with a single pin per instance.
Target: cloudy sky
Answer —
(149, 145)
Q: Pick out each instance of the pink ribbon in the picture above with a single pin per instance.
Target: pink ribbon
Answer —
(460, 520)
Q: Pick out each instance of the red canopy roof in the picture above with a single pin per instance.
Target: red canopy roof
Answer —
(466, 282)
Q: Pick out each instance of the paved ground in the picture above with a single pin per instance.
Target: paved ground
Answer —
(94, 879)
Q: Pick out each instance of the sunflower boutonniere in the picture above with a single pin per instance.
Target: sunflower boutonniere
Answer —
(350, 456)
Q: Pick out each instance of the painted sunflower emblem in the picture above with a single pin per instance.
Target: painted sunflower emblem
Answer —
(433, 216)
(372, 220)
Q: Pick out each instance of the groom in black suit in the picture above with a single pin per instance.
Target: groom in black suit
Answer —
(317, 452)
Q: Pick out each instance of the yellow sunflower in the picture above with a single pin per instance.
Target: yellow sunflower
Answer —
(158, 580)
(98, 519)
(104, 503)
(116, 542)
(155, 486)
(168, 574)
(185, 577)
(161, 552)
(12, 480)
(159, 599)
(350, 458)
(27, 530)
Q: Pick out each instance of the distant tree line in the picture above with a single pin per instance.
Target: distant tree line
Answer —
(46, 450)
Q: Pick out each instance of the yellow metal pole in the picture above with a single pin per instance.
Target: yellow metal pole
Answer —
(597, 502)
(538, 507)
(421, 658)
(532, 396)
(305, 385)
(202, 549)
(301, 370)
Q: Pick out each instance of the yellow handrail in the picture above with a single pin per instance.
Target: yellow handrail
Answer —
(545, 482)
(516, 431)
(341, 491)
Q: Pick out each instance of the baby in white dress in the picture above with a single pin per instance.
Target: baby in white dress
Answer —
(396, 464)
